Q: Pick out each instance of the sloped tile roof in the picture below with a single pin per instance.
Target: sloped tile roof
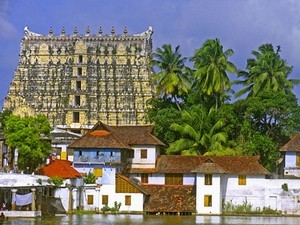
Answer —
(133, 183)
(242, 165)
(60, 168)
(99, 139)
(170, 198)
(177, 163)
(293, 145)
(105, 136)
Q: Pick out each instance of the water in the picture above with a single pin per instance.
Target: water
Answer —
(153, 220)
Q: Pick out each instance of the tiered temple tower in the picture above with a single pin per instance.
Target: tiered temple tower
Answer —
(77, 80)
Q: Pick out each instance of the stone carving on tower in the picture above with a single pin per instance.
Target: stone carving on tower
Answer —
(77, 80)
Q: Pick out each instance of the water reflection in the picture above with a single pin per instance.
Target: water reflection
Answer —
(153, 220)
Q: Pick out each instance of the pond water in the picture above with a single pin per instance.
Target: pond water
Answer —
(155, 220)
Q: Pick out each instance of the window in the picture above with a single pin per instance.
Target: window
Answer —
(208, 179)
(90, 199)
(104, 199)
(98, 172)
(79, 71)
(297, 158)
(130, 154)
(143, 153)
(207, 200)
(75, 117)
(173, 179)
(77, 100)
(127, 200)
(80, 59)
(144, 178)
(80, 153)
(78, 85)
(242, 179)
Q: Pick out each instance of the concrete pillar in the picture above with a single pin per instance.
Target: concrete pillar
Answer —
(13, 203)
(39, 200)
(70, 200)
(33, 199)
(75, 197)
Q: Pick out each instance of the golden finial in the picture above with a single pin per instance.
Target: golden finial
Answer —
(51, 31)
(100, 31)
(75, 32)
(125, 31)
(113, 31)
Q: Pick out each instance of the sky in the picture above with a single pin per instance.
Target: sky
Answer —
(242, 25)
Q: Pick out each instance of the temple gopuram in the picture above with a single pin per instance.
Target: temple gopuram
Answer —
(77, 80)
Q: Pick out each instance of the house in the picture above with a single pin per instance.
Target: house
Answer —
(106, 151)
(21, 194)
(291, 155)
(131, 171)
(60, 139)
(189, 184)
(69, 193)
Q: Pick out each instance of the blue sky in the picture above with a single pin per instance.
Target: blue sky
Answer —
(240, 25)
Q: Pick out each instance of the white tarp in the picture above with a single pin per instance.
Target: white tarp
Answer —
(23, 199)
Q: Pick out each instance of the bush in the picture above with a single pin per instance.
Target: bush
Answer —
(90, 178)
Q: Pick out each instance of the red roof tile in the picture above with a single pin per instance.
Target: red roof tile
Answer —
(293, 145)
(243, 165)
(60, 168)
(104, 136)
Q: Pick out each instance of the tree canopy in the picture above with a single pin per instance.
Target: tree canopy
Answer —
(30, 135)
(205, 123)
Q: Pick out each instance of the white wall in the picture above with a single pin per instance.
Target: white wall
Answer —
(253, 191)
(214, 190)
(290, 159)
(148, 162)
(137, 199)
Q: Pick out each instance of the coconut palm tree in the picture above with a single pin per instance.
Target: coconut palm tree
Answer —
(172, 79)
(212, 65)
(266, 72)
(199, 133)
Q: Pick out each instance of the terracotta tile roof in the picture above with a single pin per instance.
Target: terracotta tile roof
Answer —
(138, 134)
(209, 167)
(177, 163)
(99, 139)
(60, 168)
(242, 165)
(104, 136)
(139, 170)
(134, 183)
(170, 198)
(293, 145)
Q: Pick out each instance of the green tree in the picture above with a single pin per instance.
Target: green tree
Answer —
(275, 114)
(172, 79)
(267, 71)
(212, 65)
(199, 133)
(265, 147)
(30, 135)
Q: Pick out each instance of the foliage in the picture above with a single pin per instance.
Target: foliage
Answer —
(267, 71)
(90, 178)
(199, 133)
(30, 135)
(116, 207)
(172, 79)
(163, 114)
(212, 64)
(57, 181)
(263, 146)
(246, 208)
(285, 187)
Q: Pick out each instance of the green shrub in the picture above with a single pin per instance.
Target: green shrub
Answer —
(90, 178)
